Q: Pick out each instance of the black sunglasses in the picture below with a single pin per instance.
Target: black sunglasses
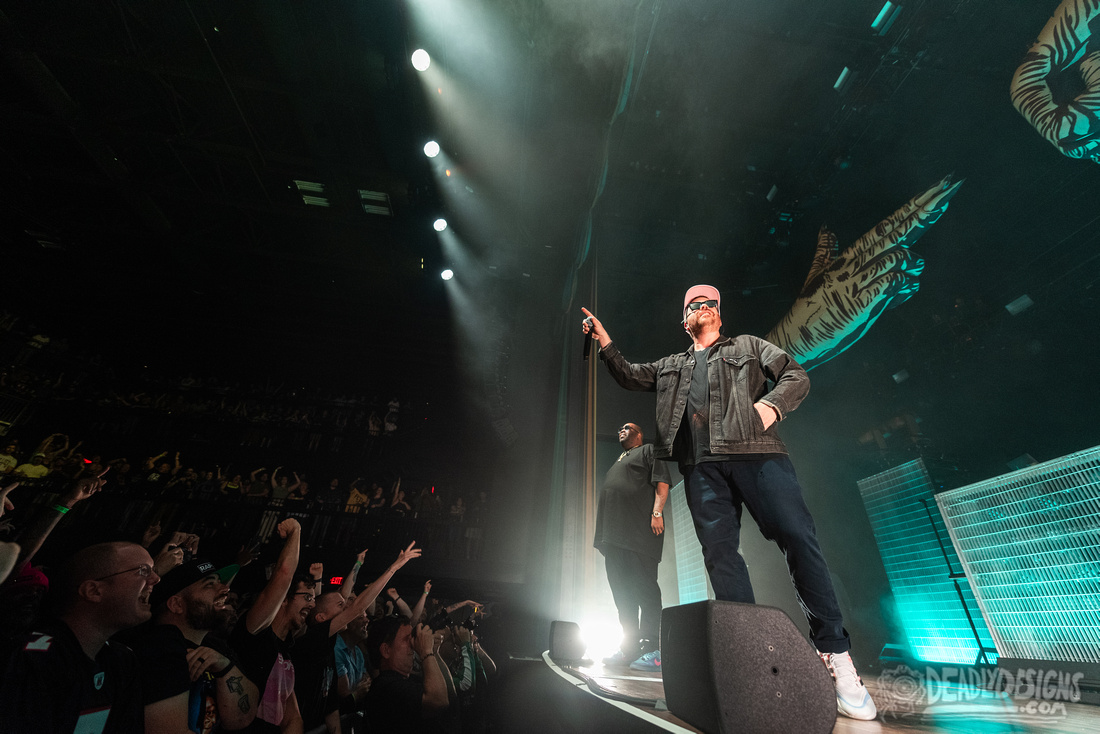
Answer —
(696, 305)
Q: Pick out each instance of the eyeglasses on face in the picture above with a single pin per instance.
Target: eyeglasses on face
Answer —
(143, 571)
(308, 595)
(696, 305)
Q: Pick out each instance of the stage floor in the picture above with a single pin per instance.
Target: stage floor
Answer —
(906, 705)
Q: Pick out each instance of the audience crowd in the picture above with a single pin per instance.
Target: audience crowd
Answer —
(113, 620)
(159, 488)
(36, 366)
(40, 370)
(150, 634)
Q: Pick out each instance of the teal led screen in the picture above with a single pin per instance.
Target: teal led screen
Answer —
(920, 565)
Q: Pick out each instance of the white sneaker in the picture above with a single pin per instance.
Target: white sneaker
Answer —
(852, 698)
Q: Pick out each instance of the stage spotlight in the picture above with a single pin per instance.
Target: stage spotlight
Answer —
(440, 224)
(421, 60)
(447, 274)
(431, 149)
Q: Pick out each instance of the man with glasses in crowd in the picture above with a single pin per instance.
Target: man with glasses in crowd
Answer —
(264, 635)
(716, 416)
(67, 676)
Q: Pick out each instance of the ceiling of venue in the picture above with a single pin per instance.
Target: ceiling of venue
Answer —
(207, 183)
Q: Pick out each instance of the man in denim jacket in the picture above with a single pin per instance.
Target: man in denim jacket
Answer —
(717, 406)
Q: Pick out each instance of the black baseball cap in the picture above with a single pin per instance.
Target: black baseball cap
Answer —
(182, 576)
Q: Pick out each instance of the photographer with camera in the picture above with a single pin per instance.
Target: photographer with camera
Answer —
(471, 668)
(398, 700)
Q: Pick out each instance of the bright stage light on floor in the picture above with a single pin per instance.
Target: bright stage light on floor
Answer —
(601, 637)
(431, 149)
(447, 274)
(421, 60)
(440, 224)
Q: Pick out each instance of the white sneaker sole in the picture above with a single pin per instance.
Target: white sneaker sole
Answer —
(864, 711)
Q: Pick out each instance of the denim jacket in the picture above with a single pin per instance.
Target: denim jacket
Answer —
(738, 370)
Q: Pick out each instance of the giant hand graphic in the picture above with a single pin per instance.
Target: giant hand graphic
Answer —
(843, 296)
(1073, 127)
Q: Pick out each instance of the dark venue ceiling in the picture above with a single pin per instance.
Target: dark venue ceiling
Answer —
(151, 151)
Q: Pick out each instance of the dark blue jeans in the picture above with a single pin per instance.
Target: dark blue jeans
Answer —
(769, 489)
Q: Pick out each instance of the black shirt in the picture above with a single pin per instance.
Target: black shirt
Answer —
(692, 442)
(698, 408)
(161, 651)
(265, 659)
(395, 704)
(626, 503)
(50, 685)
(315, 674)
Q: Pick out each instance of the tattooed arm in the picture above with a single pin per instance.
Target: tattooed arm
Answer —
(237, 700)
(235, 695)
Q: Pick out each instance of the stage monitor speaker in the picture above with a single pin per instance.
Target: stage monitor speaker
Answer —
(731, 667)
(565, 641)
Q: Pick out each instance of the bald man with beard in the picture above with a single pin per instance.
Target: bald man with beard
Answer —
(630, 529)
